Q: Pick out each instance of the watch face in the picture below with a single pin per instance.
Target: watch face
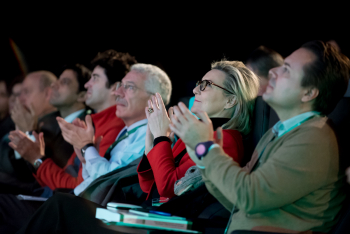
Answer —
(200, 149)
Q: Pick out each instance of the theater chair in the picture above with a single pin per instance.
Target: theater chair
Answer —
(340, 121)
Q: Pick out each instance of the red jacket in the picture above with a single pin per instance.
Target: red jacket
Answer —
(161, 168)
(108, 125)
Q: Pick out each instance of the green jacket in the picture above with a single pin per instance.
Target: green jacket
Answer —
(294, 186)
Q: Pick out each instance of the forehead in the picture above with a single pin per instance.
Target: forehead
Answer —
(299, 58)
(135, 77)
(217, 76)
(32, 80)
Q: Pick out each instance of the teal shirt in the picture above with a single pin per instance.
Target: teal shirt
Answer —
(281, 128)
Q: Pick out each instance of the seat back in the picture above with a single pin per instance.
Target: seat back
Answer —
(260, 124)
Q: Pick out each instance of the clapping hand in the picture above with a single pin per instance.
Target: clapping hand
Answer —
(80, 135)
(29, 150)
(189, 128)
(25, 119)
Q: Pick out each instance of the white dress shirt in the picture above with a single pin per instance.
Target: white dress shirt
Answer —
(126, 151)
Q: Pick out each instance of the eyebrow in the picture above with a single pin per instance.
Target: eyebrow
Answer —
(287, 64)
(94, 74)
(130, 82)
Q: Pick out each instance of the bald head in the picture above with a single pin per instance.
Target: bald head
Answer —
(36, 91)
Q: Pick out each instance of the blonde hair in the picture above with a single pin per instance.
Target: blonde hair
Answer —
(245, 86)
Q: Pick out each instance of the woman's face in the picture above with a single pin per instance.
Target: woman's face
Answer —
(211, 99)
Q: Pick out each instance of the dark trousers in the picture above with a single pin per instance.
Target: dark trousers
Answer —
(15, 213)
(65, 213)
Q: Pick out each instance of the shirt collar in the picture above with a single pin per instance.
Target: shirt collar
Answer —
(281, 128)
(73, 116)
(132, 126)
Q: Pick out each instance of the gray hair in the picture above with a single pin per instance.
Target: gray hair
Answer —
(157, 81)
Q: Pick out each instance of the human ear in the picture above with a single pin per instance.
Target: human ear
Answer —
(310, 94)
(231, 102)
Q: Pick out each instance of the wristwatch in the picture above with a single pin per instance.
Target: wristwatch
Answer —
(37, 163)
(83, 150)
(203, 148)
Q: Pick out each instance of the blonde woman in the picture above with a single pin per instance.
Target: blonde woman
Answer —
(226, 93)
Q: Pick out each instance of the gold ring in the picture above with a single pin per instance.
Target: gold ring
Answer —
(150, 110)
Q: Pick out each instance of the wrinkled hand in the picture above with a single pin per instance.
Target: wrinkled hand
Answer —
(25, 119)
(348, 174)
(189, 128)
(158, 121)
(28, 149)
(76, 135)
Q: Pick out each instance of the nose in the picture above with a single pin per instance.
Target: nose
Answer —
(118, 92)
(196, 90)
(87, 84)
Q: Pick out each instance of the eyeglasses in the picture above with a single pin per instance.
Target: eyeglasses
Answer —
(129, 88)
(203, 84)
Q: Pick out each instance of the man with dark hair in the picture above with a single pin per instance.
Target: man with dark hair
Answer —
(260, 61)
(68, 95)
(99, 98)
(293, 182)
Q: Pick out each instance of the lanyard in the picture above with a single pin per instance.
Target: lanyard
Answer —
(108, 152)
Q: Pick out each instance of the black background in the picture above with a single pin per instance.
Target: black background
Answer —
(180, 38)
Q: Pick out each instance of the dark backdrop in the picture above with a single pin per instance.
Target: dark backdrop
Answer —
(181, 39)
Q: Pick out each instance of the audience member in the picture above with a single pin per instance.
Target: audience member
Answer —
(293, 182)
(226, 93)
(131, 95)
(32, 111)
(260, 61)
(109, 68)
(69, 95)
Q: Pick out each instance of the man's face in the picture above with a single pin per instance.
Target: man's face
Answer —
(31, 94)
(3, 98)
(284, 90)
(65, 89)
(131, 102)
(97, 92)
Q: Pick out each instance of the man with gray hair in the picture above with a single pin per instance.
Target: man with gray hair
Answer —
(132, 95)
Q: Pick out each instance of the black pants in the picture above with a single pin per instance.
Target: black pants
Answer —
(15, 213)
(65, 213)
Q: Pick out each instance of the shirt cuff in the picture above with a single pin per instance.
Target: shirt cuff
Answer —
(160, 139)
(91, 153)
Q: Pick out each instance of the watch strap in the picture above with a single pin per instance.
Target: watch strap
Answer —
(83, 150)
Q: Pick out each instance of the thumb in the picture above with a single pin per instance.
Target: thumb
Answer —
(172, 137)
(88, 122)
(219, 136)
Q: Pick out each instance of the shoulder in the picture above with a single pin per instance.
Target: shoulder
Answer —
(315, 130)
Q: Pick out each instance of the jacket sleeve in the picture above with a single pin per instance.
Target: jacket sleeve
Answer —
(51, 175)
(165, 173)
(145, 174)
(278, 181)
